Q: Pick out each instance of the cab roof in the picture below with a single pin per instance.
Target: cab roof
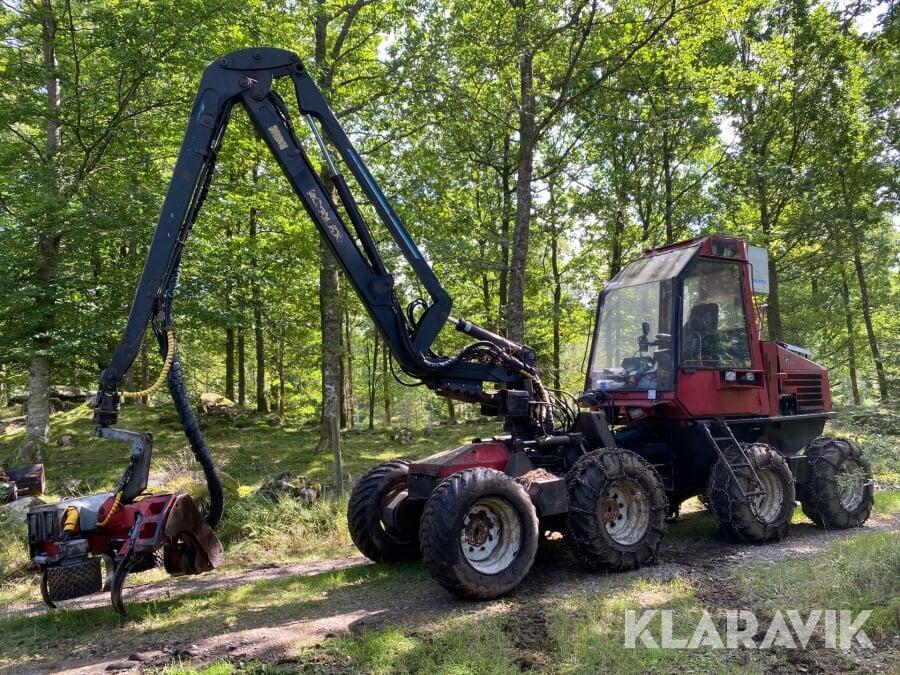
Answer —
(712, 245)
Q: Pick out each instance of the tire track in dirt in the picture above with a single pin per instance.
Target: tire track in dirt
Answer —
(408, 603)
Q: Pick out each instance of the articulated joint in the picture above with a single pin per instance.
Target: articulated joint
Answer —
(106, 405)
(262, 58)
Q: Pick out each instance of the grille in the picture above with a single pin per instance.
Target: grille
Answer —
(43, 525)
(808, 389)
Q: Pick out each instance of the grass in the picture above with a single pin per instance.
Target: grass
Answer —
(862, 572)
(194, 616)
(245, 454)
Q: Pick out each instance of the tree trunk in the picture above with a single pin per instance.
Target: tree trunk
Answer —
(242, 369)
(259, 340)
(280, 367)
(145, 369)
(229, 363)
(229, 333)
(867, 319)
(256, 299)
(506, 216)
(37, 423)
(330, 321)
(667, 182)
(522, 226)
(851, 347)
(773, 301)
(330, 317)
(451, 411)
(557, 302)
(372, 380)
(349, 406)
(387, 387)
(329, 280)
(615, 261)
(258, 334)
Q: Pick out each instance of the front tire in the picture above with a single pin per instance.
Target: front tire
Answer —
(374, 537)
(754, 519)
(479, 534)
(839, 493)
(617, 510)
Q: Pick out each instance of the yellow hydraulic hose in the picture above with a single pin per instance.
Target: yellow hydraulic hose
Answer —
(117, 502)
(164, 373)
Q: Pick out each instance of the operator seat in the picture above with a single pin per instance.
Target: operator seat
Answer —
(700, 334)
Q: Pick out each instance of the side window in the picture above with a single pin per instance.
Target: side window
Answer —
(713, 320)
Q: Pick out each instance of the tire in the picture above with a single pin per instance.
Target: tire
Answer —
(752, 519)
(838, 493)
(371, 495)
(598, 506)
(479, 534)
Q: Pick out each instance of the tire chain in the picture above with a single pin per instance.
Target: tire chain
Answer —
(822, 506)
(583, 531)
(727, 504)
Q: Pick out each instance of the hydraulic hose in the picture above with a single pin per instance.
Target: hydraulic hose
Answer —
(198, 445)
(179, 393)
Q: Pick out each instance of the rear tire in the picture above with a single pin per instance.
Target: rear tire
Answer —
(839, 492)
(374, 538)
(617, 510)
(752, 519)
(479, 534)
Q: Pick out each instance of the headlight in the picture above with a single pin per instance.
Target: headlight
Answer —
(750, 377)
(730, 376)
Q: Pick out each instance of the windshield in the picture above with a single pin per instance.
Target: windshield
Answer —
(654, 268)
(633, 339)
(633, 343)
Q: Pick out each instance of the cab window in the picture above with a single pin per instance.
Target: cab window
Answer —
(713, 319)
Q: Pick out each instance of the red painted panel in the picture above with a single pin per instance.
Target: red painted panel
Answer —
(489, 454)
(701, 395)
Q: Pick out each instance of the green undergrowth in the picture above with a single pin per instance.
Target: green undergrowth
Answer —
(876, 430)
(861, 572)
(245, 453)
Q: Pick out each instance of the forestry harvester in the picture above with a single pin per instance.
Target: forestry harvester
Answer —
(682, 397)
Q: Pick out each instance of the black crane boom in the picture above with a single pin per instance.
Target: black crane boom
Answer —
(245, 78)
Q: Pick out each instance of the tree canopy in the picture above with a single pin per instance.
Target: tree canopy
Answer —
(533, 149)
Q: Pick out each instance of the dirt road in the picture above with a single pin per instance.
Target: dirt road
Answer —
(407, 602)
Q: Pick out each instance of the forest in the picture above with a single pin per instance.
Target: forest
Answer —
(532, 148)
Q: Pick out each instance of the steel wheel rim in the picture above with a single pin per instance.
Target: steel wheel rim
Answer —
(625, 511)
(767, 506)
(491, 535)
(851, 484)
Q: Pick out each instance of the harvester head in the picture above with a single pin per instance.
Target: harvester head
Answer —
(125, 530)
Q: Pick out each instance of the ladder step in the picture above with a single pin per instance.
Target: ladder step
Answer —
(724, 438)
(755, 493)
